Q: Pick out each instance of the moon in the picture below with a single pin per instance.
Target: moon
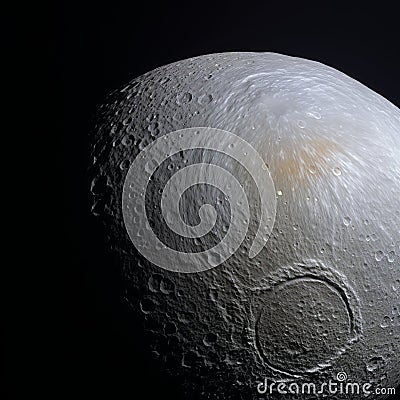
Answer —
(252, 200)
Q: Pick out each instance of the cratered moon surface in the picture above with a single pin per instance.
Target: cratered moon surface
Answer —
(304, 163)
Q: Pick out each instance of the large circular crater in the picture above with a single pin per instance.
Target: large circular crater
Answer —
(304, 324)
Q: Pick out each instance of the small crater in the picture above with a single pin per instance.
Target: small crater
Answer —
(167, 286)
(124, 164)
(375, 363)
(154, 282)
(127, 121)
(391, 256)
(379, 255)
(386, 322)
(210, 339)
(396, 285)
(147, 305)
(99, 185)
(170, 328)
(127, 140)
(184, 98)
(205, 99)
(337, 171)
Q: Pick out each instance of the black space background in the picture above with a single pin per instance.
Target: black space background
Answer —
(101, 47)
